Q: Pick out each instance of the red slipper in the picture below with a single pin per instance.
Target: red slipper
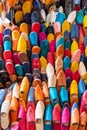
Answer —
(30, 116)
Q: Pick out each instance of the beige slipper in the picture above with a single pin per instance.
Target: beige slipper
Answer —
(82, 69)
(49, 70)
(71, 17)
(39, 113)
(52, 81)
(58, 62)
(16, 91)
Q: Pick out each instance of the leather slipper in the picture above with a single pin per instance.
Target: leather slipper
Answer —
(35, 27)
(48, 117)
(73, 92)
(71, 17)
(23, 57)
(30, 117)
(50, 58)
(43, 62)
(58, 63)
(2, 95)
(45, 92)
(74, 32)
(5, 119)
(19, 70)
(53, 95)
(59, 51)
(31, 95)
(14, 126)
(39, 113)
(16, 58)
(42, 36)
(39, 93)
(52, 81)
(33, 37)
(14, 109)
(56, 117)
(49, 70)
(83, 118)
(16, 90)
(22, 118)
(24, 88)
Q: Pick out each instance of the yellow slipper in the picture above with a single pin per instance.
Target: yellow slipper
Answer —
(74, 66)
(74, 47)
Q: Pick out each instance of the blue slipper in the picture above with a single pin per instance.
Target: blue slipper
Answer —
(36, 4)
(27, 18)
(74, 106)
(43, 28)
(35, 17)
(63, 95)
(30, 77)
(79, 17)
(68, 81)
(34, 55)
(44, 44)
(53, 95)
(81, 87)
(7, 45)
(6, 38)
(33, 38)
(48, 117)
(85, 40)
(67, 44)
(60, 41)
(60, 18)
(74, 31)
(2, 64)
(31, 95)
(2, 95)
(66, 62)
(7, 31)
(26, 67)
(66, 35)
(19, 70)
(12, 86)
(83, 59)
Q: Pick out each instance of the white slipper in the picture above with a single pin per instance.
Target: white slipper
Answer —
(16, 91)
(49, 70)
(71, 17)
(52, 81)
(39, 113)
(61, 9)
(58, 62)
(52, 17)
(82, 69)
(43, 15)
(5, 114)
(48, 18)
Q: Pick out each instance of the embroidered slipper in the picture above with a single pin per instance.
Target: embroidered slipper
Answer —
(39, 113)
(43, 74)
